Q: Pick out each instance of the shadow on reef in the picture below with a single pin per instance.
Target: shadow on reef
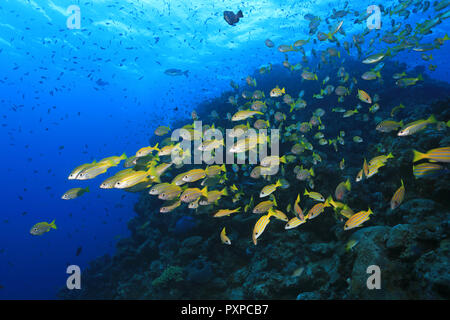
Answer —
(179, 255)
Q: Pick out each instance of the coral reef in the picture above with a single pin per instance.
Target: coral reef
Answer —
(179, 255)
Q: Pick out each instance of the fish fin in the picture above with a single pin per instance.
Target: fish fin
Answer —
(432, 119)
(274, 201)
(53, 225)
(348, 185)
(224, 191)
(278, 183)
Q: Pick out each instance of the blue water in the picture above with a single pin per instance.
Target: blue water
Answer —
(55, 115)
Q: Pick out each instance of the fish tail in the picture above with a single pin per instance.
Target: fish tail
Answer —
(53, 225)
(223, 168)
(283, 91)
(186, 73)
(418, 156)
(390, 156)
(306, 192)
(86, 189)
(311, 171)
(224, 191)
(432, 119)
(378, 74)
(283, 159)
(239, 14)
(348, 185)
(298, 198)
(420, 77)
(274, 201)
(278, 183)
(205, 191)
(403, 185)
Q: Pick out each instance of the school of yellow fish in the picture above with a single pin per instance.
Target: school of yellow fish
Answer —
(205, 186)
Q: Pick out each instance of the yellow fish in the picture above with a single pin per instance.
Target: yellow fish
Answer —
(224, 238)
(277, 92)
(269, 189)
(398, 197)
(194, 175)
(225, 212)
(364, 96)
(260, 226)
(294, 223)
(357, 219)
(314, 195)
(244, 114)
(74, 193)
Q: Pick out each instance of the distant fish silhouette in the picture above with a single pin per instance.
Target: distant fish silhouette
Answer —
(232, 18)
(100, 82)
(176, 72)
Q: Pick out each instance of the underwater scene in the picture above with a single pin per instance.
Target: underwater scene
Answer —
(225, 150)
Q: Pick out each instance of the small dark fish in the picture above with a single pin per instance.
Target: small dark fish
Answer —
(176, 72)
(101, 83)
(79, 251)
(232, 18)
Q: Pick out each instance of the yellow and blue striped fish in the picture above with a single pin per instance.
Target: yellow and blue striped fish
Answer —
(269, 189)
(398, 197)
(438, 155)
(294, 223)
(427, 169)
(317, 209)
(357, 219)
(314, 195)
(260, 226)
